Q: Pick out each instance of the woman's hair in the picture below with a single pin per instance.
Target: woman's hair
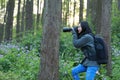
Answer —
(85, 28)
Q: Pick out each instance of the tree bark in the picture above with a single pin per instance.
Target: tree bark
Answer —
(93, 11)
(38, 14)
(1, 32)
(81, 10)
(49, 66)
(119, 5)
(88, 9)
(106, 29)
(74, 9)
(18, 21)
(41, 9)
(9, 19)
(67, 12)
(98, 16)
(29, 16)
(23, 19)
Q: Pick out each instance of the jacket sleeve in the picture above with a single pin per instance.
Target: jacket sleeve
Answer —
(81, 42)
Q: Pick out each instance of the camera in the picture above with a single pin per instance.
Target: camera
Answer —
(67, 29)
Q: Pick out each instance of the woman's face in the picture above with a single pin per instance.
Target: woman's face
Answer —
(79, 28)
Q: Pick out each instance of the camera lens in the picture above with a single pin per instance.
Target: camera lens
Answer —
(67, 29)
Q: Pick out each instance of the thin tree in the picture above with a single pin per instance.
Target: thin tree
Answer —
(67, 12)
(119, 5)
(38, 14)
(2, 10)
(74, 9)
(9, 19)
(98, 16)
(106, 29)
(65, 8)
(23, 19)
(29, 16)
(49, 56)
(93, 11)
(81, 10)
(41, 10)
(18, 21)
(88, 9)
(1, 32)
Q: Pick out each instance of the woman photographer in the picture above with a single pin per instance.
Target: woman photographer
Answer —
(84, 41)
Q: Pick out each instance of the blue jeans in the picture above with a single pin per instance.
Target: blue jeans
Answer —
(90, 72)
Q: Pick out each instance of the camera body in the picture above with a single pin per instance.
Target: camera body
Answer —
(67, 29)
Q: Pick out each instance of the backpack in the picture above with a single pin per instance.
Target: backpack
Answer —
(101, 50)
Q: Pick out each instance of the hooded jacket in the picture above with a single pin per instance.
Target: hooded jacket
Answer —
(85, 42)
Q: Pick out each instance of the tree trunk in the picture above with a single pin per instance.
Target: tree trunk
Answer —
(88, 9)
(98, 16)
(9, 19)
(65, 8)
(41, 10)
(23, 19)
(93, 11)
(29, 16)
(38, 14)
(106, 29)
(67, 12)
(119, 5)
(18, 21)
(1, 32)
(74, 12)
(81, 10)
(49, 56)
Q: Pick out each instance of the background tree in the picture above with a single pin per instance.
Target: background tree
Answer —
(49, 56)
(18, 21)
(98, 16)
(38, 14)
(29, 16)
(41, 10)
(81, 10)
(1, 32)
(93, 6)
(9, 19)
(119, 5)
(23, 19)
(74, 12)
(88, 9)
(106, 29)
(65, 11)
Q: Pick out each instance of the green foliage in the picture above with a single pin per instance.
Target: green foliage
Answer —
(20, 61)
(65, 69)
(116, 31)
(30, 41)
(8, 76)
(116, 68)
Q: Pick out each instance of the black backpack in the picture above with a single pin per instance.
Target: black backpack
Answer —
(101, 50)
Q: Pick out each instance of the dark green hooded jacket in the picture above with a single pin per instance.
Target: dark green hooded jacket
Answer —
(85, 42)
